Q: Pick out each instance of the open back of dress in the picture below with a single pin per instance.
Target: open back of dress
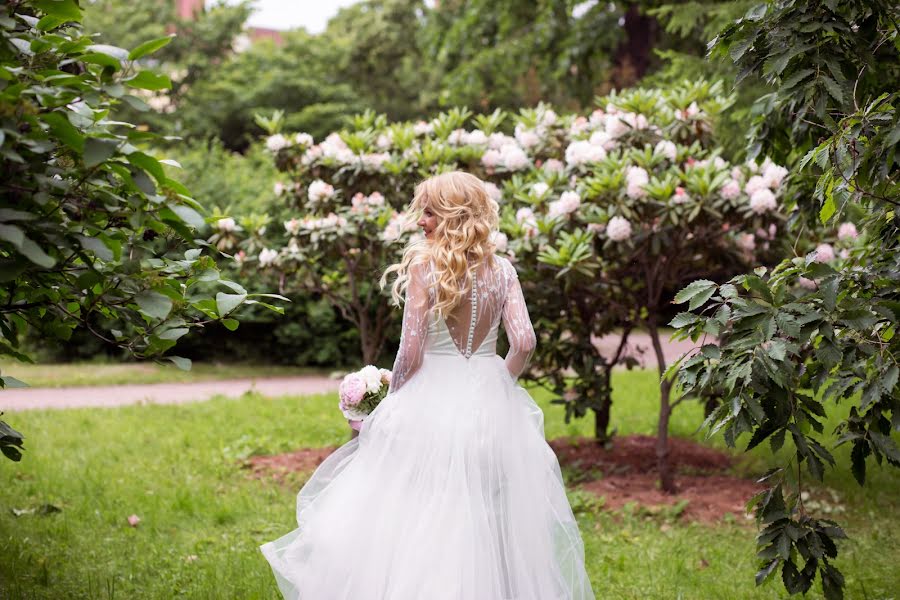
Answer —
(492, 294)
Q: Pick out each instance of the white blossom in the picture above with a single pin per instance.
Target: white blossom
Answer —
(276, 142)
(618, 229)
(581, 152)
(666, 148)
(773, 174)
(304, 139)
(754, 184)
(491, 158)
(319, 190)
(527, 138)
(763, 201)
(567, 204)
(292, 226)
(493, 191)
(513, 157)
(476, 138)
(226, 225)
(540, 188)
(423, 128)
(267, 257)
(372, 376)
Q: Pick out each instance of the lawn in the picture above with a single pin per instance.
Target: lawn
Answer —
(202, 516)
(105, 373)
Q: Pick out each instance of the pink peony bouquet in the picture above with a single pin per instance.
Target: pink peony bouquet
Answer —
(360, 393)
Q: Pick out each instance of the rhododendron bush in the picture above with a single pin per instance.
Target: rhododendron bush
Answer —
(605, 215)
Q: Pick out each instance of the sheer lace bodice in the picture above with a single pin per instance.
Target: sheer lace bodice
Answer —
(492, 295)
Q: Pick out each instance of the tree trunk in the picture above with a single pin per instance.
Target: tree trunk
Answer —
(601, 423)
(663, 464)
(602, 415)
(635, 52)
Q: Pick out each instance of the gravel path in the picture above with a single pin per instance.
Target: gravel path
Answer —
(178, 393)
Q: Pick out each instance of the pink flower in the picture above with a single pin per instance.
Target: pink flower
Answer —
(847, 231)
(133, 520)
(352, 390)
(554, 165)
(824, 253)
(491, 158)
(680, 196)
(746, 242)
(731, 189)
(806, 283)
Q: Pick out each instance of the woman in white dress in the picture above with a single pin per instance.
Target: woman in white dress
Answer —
(450, 491)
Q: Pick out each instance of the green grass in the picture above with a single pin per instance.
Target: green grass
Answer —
(102, 373)
(176, 467)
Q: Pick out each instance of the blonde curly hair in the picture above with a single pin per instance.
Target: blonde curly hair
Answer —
(466, 218)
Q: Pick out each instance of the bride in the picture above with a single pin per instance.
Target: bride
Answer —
(450, 491)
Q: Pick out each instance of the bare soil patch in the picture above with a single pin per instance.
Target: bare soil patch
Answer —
(623, 475)
(626, 473)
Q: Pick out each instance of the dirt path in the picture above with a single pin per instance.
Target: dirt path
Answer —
(160, 393)
(178, 393)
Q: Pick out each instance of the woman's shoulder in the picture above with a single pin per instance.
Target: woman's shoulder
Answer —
(504, 266)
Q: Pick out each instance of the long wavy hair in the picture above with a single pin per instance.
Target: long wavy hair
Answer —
(461, 242)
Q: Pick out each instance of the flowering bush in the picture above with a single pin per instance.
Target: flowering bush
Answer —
(604, 214)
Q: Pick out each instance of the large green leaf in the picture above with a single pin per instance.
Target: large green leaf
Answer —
(64, 9)
(98, 150)
(148, 80)
(154, 304)
(149, 47)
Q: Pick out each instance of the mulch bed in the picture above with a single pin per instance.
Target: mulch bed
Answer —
(626, 473)
(623, 474)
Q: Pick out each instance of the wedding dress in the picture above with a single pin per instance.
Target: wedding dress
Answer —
(450, 491)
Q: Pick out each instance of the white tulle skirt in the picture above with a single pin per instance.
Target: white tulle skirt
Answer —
(450, 492)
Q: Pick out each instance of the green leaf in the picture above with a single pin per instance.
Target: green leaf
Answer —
(694, 288)
(225, 303)
(149, 47)
(182, 363)
(154, 304)
(828, 209)
(230, 324)
(174, 333)
(64, 9)
(833, 89)
(149, 164)
(35, 254)
(188, 215)
(12, 234)
(766, 571)
(98, 150)
(148, 80)
(96, 246)
(63, 129)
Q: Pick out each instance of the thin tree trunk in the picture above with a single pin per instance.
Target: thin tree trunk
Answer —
(663, 464)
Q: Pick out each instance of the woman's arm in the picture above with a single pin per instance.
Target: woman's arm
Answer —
(517, 323)
(414, 329)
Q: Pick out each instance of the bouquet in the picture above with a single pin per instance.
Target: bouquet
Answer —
(360, 393)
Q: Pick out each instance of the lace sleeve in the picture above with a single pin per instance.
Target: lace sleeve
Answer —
(517, 323)
(414, 329)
